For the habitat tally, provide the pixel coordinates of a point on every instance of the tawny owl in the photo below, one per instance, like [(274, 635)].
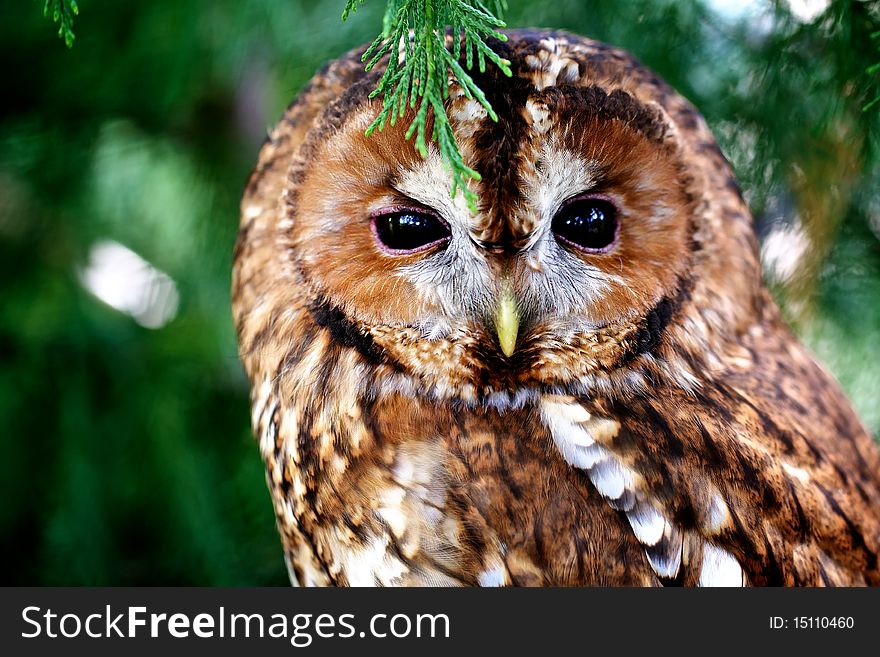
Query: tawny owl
[(584, 382)]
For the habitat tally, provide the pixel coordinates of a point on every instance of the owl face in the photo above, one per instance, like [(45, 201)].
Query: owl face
[(580, 244)]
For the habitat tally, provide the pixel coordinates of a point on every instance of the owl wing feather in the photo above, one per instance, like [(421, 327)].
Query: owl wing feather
[(765, 460)]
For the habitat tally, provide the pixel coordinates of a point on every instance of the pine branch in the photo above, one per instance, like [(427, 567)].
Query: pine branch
[(62, 12), (874, 69), (416, 29)]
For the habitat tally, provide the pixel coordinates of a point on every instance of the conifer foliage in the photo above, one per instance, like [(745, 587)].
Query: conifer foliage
[(429, 38), (62, 12)]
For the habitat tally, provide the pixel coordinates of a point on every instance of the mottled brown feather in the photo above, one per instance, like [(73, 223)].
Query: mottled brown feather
[(403, 448)]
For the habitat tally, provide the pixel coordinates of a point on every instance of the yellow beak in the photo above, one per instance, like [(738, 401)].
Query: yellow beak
[(507, 322)]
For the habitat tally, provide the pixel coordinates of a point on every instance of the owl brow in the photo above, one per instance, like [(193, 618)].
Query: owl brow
[(620, 105)]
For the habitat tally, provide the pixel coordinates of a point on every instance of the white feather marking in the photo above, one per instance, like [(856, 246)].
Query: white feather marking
[(290, 421), (564, 174), (611, 478), (395, 518), (268, 431), (575, 444), (798, 473), (426, 183), (372, 564), (603, 429), (392, 496), (314, 358), (719, 568), (647, 523), (538, 116), (572, 434), (582, 455), (469, 110), (625, 502), (582, 438), (718, 516), (665, 558), (391, 509), (258, 406), (586, 457), (491, 577), (299, 488), (505, 400), (567, 410)]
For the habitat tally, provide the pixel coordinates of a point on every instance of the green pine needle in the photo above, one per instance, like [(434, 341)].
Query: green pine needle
[(417, 28), (874, 69), (62, 12)]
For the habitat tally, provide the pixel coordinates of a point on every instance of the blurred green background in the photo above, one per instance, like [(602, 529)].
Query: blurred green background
[(126, 450)]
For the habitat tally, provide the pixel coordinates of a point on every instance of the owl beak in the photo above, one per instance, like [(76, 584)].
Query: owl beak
[(507, 322)]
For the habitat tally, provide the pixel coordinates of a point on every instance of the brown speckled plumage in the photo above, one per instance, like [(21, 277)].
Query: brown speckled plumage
[(656, 424)]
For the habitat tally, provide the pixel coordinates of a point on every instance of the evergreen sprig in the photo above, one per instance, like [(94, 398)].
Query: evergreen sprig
[(421, 62), (62, 12), (874, 69)]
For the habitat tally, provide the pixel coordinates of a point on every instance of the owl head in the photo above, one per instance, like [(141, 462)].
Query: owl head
[(610, 245)]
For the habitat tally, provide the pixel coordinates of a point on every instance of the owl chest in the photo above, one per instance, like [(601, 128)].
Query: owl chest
[(439, 497)]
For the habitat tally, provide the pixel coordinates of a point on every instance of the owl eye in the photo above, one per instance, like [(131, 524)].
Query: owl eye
[(587, 223), (408, 231)]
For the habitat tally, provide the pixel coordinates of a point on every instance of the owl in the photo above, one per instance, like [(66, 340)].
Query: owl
[(583, 382)]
